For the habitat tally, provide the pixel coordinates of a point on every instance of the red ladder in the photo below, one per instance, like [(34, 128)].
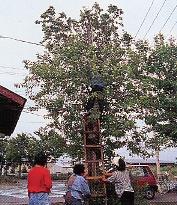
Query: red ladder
[(94, 159)]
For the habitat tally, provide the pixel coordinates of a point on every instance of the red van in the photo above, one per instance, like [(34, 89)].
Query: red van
[(143, 176)]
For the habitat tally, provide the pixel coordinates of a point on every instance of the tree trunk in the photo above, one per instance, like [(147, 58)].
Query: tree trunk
[(20, 170), (157, 163)]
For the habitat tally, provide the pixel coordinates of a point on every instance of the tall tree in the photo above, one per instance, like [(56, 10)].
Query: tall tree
[(20, 149), (159, 83), (52, 143), (76, 51)]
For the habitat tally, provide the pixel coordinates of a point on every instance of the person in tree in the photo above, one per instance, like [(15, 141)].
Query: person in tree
[(77, 186), (97, 89), (39, 181)]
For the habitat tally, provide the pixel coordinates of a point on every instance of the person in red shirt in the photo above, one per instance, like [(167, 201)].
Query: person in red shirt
[(39, 181)]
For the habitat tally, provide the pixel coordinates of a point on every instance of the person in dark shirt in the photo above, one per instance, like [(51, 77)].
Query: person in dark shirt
[(39, 181)]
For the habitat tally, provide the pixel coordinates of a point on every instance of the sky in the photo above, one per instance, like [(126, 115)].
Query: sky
[(17, 20)]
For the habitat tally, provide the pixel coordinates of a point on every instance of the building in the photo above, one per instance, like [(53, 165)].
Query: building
[(149, 161), (11, 106), (63, 165)]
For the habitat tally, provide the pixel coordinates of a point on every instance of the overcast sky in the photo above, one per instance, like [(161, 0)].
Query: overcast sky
[(17, 19)]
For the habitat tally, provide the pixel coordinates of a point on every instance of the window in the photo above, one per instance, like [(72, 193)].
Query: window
[(137, 171)]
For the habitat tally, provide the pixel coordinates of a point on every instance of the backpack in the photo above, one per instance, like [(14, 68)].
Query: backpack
[(68, 195)]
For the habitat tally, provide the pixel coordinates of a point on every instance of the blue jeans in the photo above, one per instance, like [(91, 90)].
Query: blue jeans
[(39, 199)]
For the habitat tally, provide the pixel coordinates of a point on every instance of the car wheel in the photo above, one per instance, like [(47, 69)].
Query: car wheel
[(149, 193)]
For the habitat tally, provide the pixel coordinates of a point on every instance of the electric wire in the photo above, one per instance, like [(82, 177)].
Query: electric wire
[(172, 28), (20, 40), (32, 122), (168, 18), (11, 73), (154, 19), (9, 67), (145, 18), (32, 113)]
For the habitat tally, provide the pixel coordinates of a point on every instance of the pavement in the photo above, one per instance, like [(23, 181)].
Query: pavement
[(165, 199), (9, 200), (160, 199), (11, 195), (16, 194)]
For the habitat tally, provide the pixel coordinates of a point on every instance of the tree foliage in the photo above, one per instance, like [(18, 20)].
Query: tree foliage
[(22, 149), (160, 83), (140, 80)]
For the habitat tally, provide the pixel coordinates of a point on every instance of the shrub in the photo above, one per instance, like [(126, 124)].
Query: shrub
[(61, 176), (8, 179), (139, 192)]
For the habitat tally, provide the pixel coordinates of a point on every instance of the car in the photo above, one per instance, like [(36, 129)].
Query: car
[(141, 176)]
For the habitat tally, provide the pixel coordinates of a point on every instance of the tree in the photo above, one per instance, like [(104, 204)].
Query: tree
[(59, 81), (161, 86), (20, 149), (51, 143)]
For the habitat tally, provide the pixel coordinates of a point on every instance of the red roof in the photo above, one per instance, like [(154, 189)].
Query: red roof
[(11, 106)]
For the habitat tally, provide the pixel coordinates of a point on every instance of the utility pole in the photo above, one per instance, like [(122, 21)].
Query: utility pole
[(157, 154)]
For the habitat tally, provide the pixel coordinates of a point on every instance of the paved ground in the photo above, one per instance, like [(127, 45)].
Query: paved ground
[(17, 195), (6, 200), (165, 199)]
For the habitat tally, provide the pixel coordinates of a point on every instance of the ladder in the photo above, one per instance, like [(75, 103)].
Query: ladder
[(94, 159)]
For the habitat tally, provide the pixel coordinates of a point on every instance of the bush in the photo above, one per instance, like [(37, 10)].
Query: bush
[(101, 201), (24, 175), (140, 195), (61, 176), (8, 179)]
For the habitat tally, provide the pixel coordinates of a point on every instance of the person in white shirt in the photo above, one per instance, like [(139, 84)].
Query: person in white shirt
[(123, 187)]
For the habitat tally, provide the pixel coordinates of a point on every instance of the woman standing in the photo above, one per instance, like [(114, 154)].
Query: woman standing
[(122, 182), (77, 187)]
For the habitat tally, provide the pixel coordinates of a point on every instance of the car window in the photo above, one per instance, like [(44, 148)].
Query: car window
[(137, 171)]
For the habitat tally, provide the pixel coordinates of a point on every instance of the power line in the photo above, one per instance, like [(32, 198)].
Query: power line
[(1, 66), (32, 113), (155, 19), (144, 18), (172, 28), (33, 122), (11, 73), (20, 40), (168, 18)]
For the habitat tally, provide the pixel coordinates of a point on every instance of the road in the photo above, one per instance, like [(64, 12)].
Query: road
[(17, 194), (13, 195), (165, 199)]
